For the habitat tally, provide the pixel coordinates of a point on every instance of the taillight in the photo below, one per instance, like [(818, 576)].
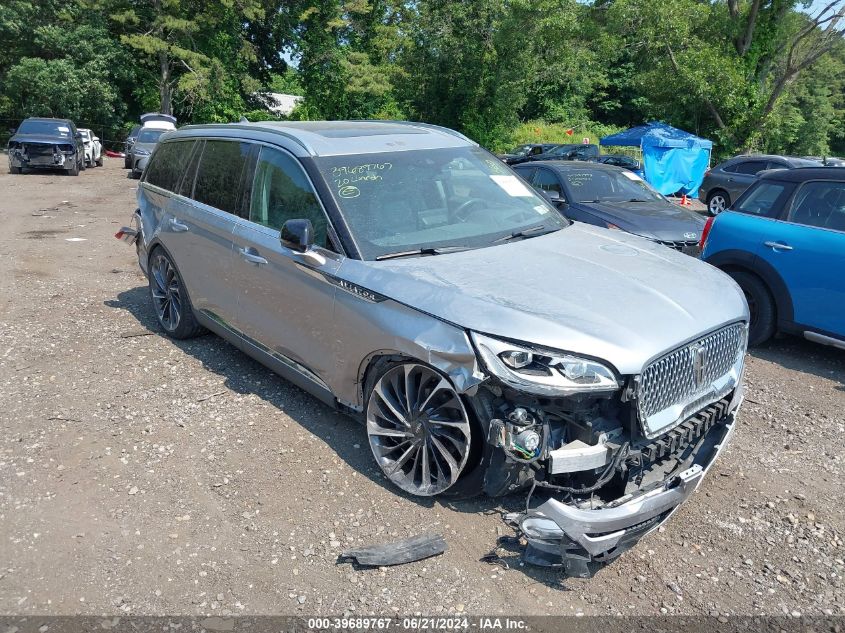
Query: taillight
[(705, 233)]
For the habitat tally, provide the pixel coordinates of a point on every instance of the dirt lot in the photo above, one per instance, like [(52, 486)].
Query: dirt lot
[(141, 475)]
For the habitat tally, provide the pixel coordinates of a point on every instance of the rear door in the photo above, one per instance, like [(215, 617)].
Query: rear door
[(203, 221), (286, 301), (807, 248), (740, 176)]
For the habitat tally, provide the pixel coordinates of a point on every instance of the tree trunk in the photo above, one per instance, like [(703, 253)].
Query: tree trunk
[(164, 85)]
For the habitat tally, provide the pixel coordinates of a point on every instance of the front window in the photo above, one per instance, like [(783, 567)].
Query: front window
[(765, 199), (45, 128), (602, 185), (430, 199), (150, 136), (522, 150)]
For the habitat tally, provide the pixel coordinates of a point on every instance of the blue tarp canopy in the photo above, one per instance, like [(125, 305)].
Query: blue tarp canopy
[(673, 160)]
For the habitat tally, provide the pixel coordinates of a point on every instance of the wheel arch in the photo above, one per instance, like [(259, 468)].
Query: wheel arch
[(741, 261)]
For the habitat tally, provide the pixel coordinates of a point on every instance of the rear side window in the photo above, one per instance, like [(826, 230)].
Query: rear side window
[(281, 192), (546, 180), (820, 204), (168, 164), (766, 199), (750, 167), (219, 175)]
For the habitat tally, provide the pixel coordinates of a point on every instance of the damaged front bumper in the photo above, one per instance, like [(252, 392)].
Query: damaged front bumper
[(582, 540)]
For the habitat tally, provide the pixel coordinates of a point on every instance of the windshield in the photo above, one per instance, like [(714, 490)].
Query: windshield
[(429, 199), (608, 185), (85, 134), (46, 128), (150, 136)]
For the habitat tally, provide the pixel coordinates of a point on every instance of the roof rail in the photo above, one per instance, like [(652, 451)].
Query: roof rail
[(253, 126)]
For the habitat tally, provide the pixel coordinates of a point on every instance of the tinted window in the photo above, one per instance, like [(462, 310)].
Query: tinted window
[(546, 180), (820, 204), (186, 187), (168, 164), (219, 176), (750, 167), (281, 192), (766, 199)]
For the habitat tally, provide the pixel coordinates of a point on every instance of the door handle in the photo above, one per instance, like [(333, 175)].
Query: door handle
[(177, 226), (252, 256), (778, 246)]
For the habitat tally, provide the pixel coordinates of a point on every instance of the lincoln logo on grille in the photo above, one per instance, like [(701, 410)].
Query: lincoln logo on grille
[(699, 363)]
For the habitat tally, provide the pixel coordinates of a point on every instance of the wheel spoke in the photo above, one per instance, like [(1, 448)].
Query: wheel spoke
[(392, 407)]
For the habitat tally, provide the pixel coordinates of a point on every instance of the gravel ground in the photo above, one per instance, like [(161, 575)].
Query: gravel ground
[(140, 475)]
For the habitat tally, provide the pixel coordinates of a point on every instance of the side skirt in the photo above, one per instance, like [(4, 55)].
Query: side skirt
[(288, 369)]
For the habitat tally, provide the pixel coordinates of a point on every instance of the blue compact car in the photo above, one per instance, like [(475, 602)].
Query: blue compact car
[(783, 242)]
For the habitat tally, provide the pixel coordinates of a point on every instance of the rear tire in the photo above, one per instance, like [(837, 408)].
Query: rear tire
[(760, 304), (717, 201), (99, 161), (170, 299)]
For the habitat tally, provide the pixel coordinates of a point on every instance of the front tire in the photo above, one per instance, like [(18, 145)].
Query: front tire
[(14, 170), (761, 306), (717, 201), (73, 171), (173, 308), (418, 427)]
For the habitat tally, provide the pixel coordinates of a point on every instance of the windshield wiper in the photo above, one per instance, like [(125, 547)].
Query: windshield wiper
[(532, 231), (638, 200), (428, 250)]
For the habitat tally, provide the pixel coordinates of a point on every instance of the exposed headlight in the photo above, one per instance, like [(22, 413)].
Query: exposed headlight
[(543, 372), (141, 152)]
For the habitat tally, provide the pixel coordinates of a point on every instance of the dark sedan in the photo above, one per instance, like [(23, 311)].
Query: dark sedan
[(571, 151), (523, 153), (614, 198)]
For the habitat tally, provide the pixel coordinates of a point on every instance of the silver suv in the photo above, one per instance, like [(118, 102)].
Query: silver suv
[(402, 274)]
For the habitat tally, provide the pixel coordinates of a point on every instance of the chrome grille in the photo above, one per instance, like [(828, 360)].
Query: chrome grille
[(686, 375), (682, 246)]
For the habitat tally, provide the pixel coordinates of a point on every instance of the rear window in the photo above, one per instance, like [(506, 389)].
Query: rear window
[(168, 164), (219, 176)]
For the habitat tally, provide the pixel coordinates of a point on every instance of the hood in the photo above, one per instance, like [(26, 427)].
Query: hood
[(583, 289), (147, 146), (655, 220), (41, 138)]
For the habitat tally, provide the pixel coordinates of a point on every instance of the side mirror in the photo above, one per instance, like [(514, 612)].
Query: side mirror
[(12, 131), (553, 196), (297, 235), (78, 135)]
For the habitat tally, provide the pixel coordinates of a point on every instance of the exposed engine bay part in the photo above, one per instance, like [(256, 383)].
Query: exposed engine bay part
[(582, 534), (399, 552)]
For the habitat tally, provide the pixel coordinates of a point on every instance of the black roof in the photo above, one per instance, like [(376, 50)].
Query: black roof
[(801, 174)]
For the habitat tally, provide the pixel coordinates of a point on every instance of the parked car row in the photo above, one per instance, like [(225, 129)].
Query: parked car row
[(550, 151), (403, 275), (45, 143), (143, 138)]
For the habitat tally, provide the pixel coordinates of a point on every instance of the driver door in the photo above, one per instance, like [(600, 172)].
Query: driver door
[(286, 301)]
